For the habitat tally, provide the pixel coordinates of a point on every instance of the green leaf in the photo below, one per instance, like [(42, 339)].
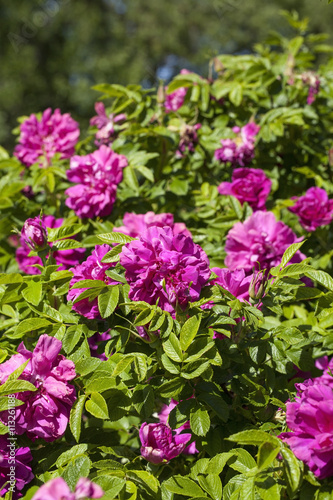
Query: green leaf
[(29, 325), (122, 365), (194, 369), (144, 478), (140, 366), (266, 455), (321, 277), (100, 385), (79, 467), (183, 486), (110, 485), (113, 255), (217, 404), (68, 455), (144, 317), (63, 232), (108, 300), (75, 418), (291, 469), (89, 284), (7, 279), (236, 94), (212, 485), (115, 237), (66, 245), (255, 437), (200, 422), (172, 348), (189, 331), (146, 172), (97, 406), (72, 337), (11, 387), (171, 388), (290, 252)]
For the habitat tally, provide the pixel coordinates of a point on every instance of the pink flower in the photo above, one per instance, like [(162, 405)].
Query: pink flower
[(236, 282), (248, 185), (159, 444), (260, 241), (53, 133), (94, 342), (310, 418), (239, 151), (175, 100), (23, 473), (313, 81), (165, 266), (163, 417), (97, 176), (90, 269), (105, 124), (135, 224), (34, 234), (188, 140), (314, 209), (45, 412), (64, 258), (57, 489)]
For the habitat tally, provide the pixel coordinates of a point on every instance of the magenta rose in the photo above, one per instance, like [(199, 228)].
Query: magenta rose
[(135, 224), (96, 177), (159, 444), (45, 412), (57, 489), (163, 417), (248, 185), (314, 209), (165, 266), (23, 472), (53, 133), (34, 234), (259, 242), (240, 150), (106, 124)]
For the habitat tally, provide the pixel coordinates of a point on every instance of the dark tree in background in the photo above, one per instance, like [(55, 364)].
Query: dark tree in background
[(54, 51)]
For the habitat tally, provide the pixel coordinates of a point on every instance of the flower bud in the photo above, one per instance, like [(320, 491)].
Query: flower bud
[(34, 234), (257, 285)]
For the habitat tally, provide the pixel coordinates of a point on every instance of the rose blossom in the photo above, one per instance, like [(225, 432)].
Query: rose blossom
[(45, 412), (314, 209), (163, 417), (248, 185), (135, 224), (105, 124), (260, 241), (175, 100), (235, 282), (97, 176), (64, 258), (159, 444), (310, 419), (91, 269), (239, 151), (53, 133), (34, 234), (57, 489), (165, 266), (23, 473)]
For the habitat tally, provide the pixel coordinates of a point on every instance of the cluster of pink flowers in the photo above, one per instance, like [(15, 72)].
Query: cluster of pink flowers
[(160, 444), (106, 124), (165, 267), (249, 185), (188, 140), (314, 209), (45, 412), (91, 269), (20, 457), (57, 489), (53, 133), (310, 419), (135, 224), (259, 243), (96, 177), (239, 151), (34, 236)]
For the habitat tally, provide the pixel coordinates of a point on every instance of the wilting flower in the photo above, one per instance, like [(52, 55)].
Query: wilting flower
[(259, 242), (239, 151), (314, 209), (19, 458), (163, 417), (45, 412), (105, 124), (57, 489), (64, 258), (310, 419), (165, 266), (53, 133), (160, 444), (34, 234), (135, 224), (91, 269), (249, 185), (188, 140), (97, 176)]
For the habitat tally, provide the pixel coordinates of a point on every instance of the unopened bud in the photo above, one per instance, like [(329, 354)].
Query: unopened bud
[(34, 234), (161, 94), (257, 285)]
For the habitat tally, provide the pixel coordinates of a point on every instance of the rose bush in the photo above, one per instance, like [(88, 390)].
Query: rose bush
[(166, 319)]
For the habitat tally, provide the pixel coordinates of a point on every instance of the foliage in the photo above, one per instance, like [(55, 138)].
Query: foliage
[(232, 389)]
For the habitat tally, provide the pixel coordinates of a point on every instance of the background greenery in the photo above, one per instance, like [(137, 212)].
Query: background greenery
[(54, 51)]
